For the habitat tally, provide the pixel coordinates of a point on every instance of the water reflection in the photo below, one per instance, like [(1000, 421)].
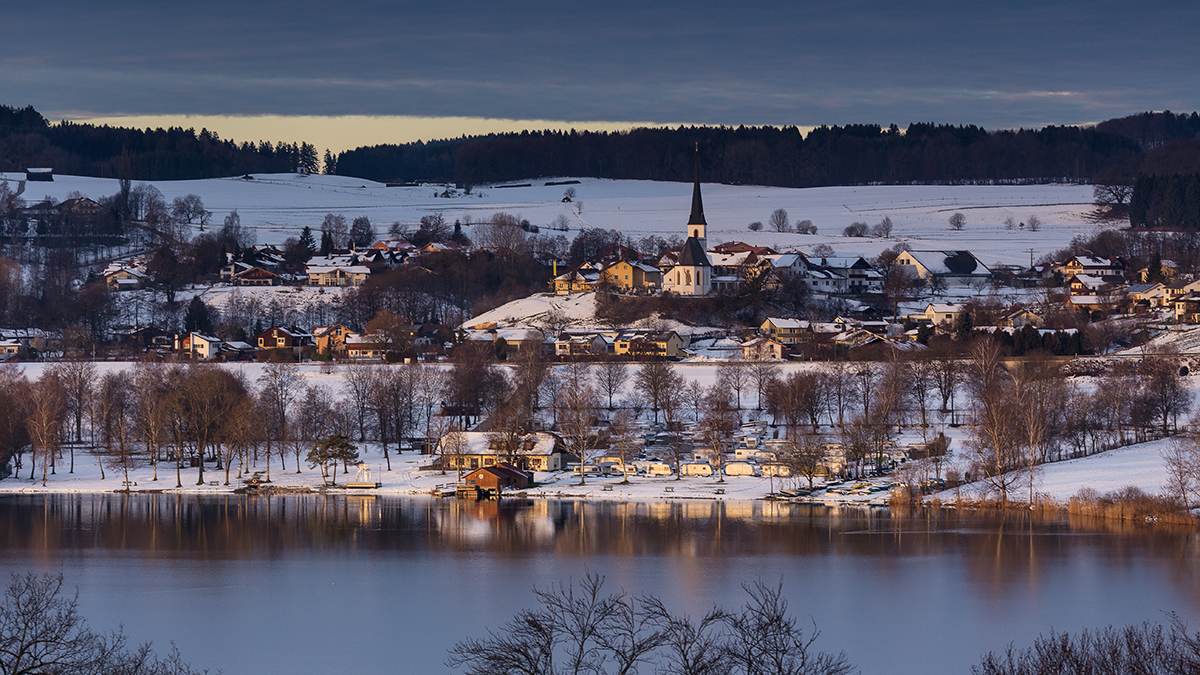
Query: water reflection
[(999, 546), (892, 588)]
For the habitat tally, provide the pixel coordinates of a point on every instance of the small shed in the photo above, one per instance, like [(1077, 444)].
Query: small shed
[(493, 479)]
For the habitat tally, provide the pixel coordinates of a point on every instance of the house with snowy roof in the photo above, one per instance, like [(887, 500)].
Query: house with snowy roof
[(285, 337), (321, 274), (125, 279), (942, 314), (762, 348), (631, 275), (843, 274), (576, 281), (1086, 284), (786, 331), (199, 345), (953, 268), (1090, 264), (540, 451)]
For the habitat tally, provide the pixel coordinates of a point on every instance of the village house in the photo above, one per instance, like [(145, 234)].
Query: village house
[(1187, 308), (627, 275), (125, 279), (640, 344), (575, 281), (1087, 264), (942, 314), (586, 344), (762, 348), (1147, 295), (369, 347), (198, 345), (285, 337), (1168, 270), (9, 349), (952, 268), (540, 451), (1087, 284), (335, 275), (331, 340), (242, 274), (786, 331), (1019, 317)]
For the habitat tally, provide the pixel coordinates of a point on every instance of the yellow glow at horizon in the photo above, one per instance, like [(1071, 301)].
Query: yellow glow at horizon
[(351, 131)]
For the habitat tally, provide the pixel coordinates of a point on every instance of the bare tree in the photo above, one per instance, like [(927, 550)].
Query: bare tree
[(577, 629), (623, 439), (611, 375), (279, 386), (717, 425), (653, 379), (41, 631), (78, 378), (995, 434), (762, 373), (779, 221), (958, 221), (804, 454), (576, 412), (48, 404), (360, 383), (883, 229), (735, 375), (1034, 223)]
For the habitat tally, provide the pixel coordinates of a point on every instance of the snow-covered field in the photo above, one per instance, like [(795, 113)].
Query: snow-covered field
[(276, 206)]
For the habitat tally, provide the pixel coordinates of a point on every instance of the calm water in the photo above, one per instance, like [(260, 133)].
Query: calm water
[(316, 585)]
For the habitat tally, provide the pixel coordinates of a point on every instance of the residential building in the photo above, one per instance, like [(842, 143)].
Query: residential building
[(541, 451), (336, 275), (943, 314), (762, 348), (641, 344), (786, 331), (629, 275), (285, 337), (952, 268)]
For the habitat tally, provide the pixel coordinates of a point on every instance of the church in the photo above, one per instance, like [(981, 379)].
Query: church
[(692, 275)]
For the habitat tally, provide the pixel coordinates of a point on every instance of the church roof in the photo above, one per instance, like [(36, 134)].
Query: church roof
[(693, 254)]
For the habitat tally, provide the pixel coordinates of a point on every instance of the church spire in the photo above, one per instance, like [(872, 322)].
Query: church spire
[(697, 217)]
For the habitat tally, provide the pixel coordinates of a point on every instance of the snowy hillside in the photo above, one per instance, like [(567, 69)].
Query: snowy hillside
[(276, 206)]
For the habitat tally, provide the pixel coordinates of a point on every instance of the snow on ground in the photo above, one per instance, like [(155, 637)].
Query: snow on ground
[(276, 206), (578, 309)]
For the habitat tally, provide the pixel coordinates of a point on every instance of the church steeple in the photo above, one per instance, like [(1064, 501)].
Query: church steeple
[(696, 224)]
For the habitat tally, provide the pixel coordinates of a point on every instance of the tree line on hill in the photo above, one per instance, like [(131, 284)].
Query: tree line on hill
[(781, 156), (27, 139)]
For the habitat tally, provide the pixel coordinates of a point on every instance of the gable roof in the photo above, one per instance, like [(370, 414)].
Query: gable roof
[(950, 263), (693, 254)]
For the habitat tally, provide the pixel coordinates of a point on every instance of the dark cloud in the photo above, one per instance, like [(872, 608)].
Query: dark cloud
[(996, 64)]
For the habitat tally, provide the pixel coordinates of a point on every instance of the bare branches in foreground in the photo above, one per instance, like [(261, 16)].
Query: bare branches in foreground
[(576, 628)]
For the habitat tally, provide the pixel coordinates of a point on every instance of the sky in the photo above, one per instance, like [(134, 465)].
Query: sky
[(403, 68)]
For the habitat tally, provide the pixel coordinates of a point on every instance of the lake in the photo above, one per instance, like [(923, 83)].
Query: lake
[(314, 584)]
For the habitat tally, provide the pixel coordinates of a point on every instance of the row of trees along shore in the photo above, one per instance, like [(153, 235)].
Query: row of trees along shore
[(1021, 414)]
